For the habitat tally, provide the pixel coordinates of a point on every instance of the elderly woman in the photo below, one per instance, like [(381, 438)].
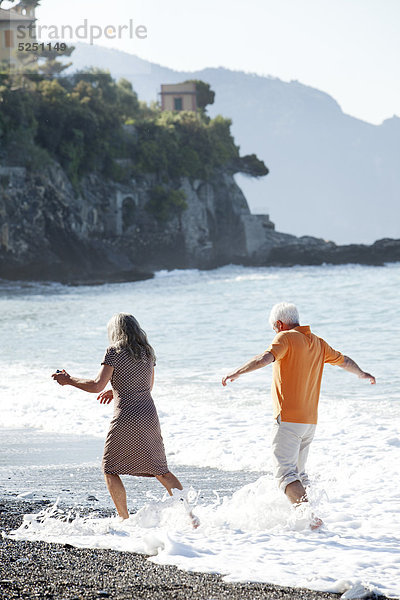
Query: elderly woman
[(134, 445)]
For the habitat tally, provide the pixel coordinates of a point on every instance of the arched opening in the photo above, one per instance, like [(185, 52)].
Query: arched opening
[(92, 217), (128, 213)]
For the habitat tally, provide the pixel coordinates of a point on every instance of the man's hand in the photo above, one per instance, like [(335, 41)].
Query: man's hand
[(352, 367), (230, 377), (61, 377), (106, 397), (365, 375)]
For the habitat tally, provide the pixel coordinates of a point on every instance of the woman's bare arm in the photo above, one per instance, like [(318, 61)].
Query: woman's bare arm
[(93, 386)]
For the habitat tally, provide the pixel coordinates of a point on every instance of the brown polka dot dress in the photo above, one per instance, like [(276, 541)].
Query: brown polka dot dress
[(134, 445)]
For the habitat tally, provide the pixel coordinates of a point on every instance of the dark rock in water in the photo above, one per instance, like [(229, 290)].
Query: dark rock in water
[(112, 277), (306, 251)]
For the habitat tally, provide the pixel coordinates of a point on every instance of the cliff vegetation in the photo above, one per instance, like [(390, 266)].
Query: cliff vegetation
[(90, 123)]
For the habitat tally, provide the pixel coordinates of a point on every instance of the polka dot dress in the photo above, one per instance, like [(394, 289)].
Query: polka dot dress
[(134, 445)]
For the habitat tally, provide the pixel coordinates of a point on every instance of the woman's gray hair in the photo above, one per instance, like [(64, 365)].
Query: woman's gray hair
[(124, 332), (285, 312)]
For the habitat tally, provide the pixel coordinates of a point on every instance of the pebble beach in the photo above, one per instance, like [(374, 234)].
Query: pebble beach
[(60, 571)]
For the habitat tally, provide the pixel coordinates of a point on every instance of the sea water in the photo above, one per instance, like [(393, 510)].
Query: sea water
[(202, 325)]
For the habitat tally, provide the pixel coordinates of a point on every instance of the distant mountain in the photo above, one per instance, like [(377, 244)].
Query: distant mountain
[(331, 175)]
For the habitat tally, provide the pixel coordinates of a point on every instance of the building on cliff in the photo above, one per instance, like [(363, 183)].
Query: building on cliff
[(178, 96), (16, 27)]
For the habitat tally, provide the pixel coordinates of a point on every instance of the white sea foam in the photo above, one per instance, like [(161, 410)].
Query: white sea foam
[(202, 324), (253, 535)]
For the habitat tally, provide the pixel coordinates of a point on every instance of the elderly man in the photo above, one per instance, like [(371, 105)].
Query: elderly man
[(298, 358)]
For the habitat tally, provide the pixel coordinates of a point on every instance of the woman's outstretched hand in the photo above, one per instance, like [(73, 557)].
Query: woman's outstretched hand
[(61, 377), (105, 397)]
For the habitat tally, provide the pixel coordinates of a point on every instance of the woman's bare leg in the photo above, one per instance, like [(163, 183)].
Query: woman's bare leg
[(170, 482), (117, 493)]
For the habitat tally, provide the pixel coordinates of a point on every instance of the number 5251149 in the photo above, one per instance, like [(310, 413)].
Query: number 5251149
[(35, 46)]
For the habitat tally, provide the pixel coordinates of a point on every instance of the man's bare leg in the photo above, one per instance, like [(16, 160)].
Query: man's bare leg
[(170, 482), (117, 493), (297, 494)]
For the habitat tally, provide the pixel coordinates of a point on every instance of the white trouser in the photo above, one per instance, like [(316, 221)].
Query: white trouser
[(290, 447)]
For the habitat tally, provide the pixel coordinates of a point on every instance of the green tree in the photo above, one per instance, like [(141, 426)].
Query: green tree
[(72, 153), (99, 80), (204, 94), (127, 101), (17, 112), (164, 203), (49, 64), (78, 121), (251, 165)]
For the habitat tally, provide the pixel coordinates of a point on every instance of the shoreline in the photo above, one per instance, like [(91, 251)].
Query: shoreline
[(287, 260), (61, 572)]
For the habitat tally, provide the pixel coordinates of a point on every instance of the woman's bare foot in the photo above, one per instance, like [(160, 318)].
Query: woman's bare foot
[(122, 519), (195, 520), (181, 497), (316, 523)]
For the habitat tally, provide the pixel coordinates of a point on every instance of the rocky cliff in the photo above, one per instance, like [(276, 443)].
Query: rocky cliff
[(105, 231)]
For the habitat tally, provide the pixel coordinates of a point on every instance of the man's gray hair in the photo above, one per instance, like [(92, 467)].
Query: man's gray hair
[(285, 312)]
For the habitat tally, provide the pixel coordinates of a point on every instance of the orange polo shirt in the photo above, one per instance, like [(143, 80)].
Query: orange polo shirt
[(297, 372)]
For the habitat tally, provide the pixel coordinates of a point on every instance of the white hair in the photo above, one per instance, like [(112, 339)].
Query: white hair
[(285, 312)]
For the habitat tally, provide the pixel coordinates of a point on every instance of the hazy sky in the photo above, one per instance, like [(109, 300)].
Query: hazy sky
[(348, 48)]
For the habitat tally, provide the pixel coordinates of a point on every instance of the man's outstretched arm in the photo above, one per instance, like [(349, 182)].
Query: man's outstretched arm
[(259, 361), (352, 367)]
